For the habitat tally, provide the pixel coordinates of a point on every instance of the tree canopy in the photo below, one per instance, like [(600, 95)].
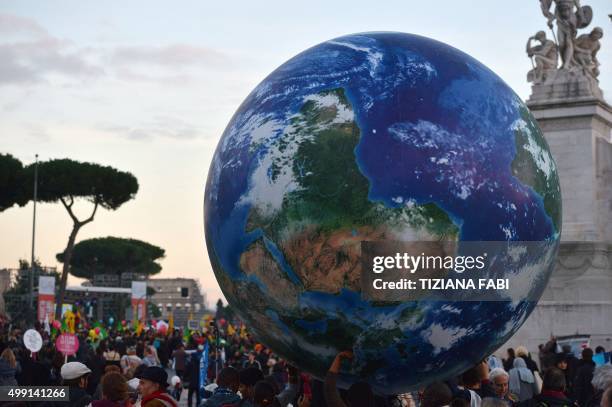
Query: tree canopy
[(65, 180), (113, 255), (12, 185)]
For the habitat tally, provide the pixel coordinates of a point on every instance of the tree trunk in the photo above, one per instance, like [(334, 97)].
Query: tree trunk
[(66, 268), (76, 226)]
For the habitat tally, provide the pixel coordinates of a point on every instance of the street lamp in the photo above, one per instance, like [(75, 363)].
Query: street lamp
[(31, 296)]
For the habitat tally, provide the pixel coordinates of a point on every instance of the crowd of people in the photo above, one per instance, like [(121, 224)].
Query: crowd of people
[(149, 368)]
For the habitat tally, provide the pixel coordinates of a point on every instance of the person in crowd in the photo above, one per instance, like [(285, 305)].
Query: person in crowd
[(472, 385), (493, 362), (33, 372), (522, 352), (263, 395), (115, 392), (140, 349), (437, 394), (75, 375), (152, 388), (561, 364), (228, 382), (193, 373), (252, 361), (547, 353), (108, 369), (553, 391), (57, 360), (270, 365), (261, 355), (8, 368), (180, 356), (583, 390), (509, 362), (111, 356), (485, 388), (522, 381), (572, 364), (176, 386), (602, 380), (120, 345), (150, 357), (163, 351), (500, 381), (248, 378), (288, 389), (129, 362), (96, 363), (359, 394)]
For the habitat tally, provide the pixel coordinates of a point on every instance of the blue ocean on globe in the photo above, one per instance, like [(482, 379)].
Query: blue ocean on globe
[(377, 136)]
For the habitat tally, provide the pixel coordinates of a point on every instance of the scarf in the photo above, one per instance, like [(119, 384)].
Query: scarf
[(161, 396), (554, 394)]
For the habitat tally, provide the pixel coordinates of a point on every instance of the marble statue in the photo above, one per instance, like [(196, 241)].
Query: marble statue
[(566, 66), (570, 16), (544, 57), (586, 48)]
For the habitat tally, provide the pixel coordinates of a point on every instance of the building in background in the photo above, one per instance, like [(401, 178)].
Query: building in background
[(5, 284), (577, 123), (180, 296)]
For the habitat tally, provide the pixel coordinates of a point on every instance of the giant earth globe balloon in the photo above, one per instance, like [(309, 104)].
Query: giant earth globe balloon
[(373, 137)]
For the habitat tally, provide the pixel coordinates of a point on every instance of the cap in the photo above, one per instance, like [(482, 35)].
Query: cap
[(74, 370), (155, 374)]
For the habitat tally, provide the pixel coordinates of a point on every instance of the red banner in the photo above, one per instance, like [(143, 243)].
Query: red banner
[(46, 298), (68, 344)]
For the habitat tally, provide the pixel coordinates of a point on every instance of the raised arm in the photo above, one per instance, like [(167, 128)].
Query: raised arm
[(330, 389)]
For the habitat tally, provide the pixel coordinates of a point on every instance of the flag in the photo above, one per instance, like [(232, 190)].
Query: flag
[(203, 368), (69, 319), (139, 328), (171, 323)]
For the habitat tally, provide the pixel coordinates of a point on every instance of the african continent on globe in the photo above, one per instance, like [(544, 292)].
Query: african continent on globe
[(376, 137)]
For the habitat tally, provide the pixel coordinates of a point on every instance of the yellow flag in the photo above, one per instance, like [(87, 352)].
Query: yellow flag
[(231, 330), (140, 328), (69, 315), (170, 324)]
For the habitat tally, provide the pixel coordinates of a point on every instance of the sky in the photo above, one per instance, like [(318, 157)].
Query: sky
[(149, 86)]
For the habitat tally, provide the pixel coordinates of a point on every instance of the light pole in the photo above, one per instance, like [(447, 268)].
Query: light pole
[(31, 296)]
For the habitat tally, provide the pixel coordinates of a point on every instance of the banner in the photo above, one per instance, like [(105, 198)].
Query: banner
[(46, 298), (68, 344), (576, 342), (32, 340), (139, 300), (203, 368)]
